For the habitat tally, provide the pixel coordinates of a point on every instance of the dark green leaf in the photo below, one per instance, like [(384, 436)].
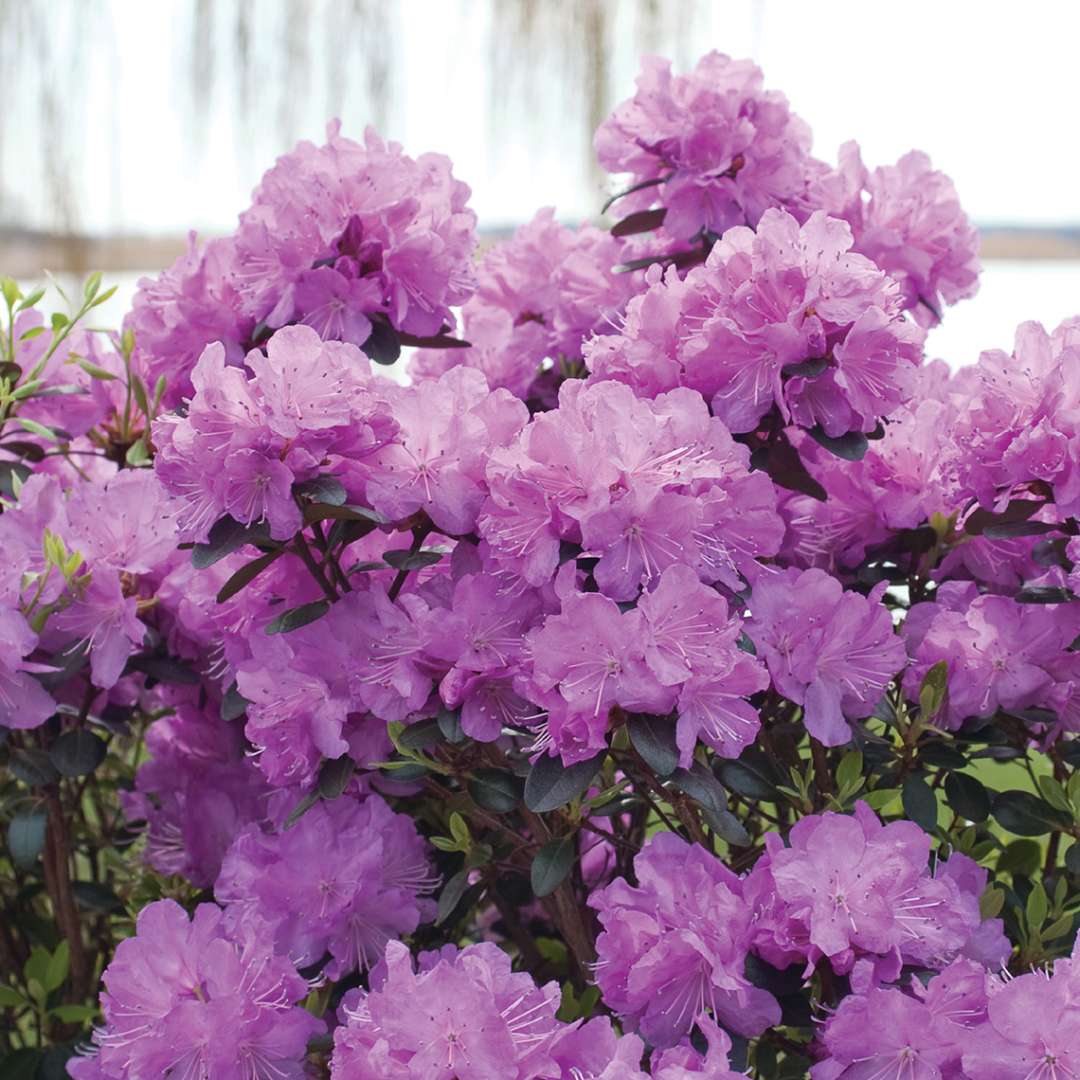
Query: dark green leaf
[(806, 369), (967, 796), (451, 895), (940, 755), (383, 344), (850, 447), (1027, 815), (165, 669), (403, 559), (247, 573), (33, 767), (449, 721), (417, 736), (749, 777), (1017, 510), (77, 753), (551, 865), (699, 783), (21, 1065), (296, 617), (11, 472), (920, 803), (334, 776), (495, 790), (784, 467), (654, 182), (226, 537), (233, 704), (26, 838), (1021, 858), (1044, 594), (642, 221), (91, 896), (727, 826), (323, 489), (301, 808), (654, 739), (433, 341), (1009, 529), (551, 784), (1072, 859)]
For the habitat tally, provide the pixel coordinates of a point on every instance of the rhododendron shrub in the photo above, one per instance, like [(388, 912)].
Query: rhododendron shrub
[(672, 673)]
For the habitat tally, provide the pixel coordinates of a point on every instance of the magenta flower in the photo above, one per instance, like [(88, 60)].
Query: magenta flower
[(458, 1015), (674, 947), (195, 998), (347, 878), (725, 148), (830, 650)]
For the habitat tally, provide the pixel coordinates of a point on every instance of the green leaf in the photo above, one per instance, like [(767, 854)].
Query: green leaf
[(77, 753), (383, 344), (10, 289), (225, 537), (36, 429), (57, 970), (296, 617), (94, 371), (1058, 928), (142, 399), (784, 466), (751, 775), (849, 771), (33, 767), (233, 704), (1037, 907), (1054, 794), (1017, 510), (654, 739), (1027, 815), (727, 826), (699, 783), (850, 447), (1021, 858), (301, 808), (639, 222), (323, 489), (21, 1065), (31, 300), (551, 865), (137, 454), (247, 574), (551, 784), (403, 559), (920, 803), (26, 838), (1072, 859), (991, 902), (11, 999), (73, 1014), (495, 790), (451, 895), (92, 286), (334, 776), (460, 831), (967, 796), (449, 721), (91, 896), (932, 690), (879, 798), (1044, 594), (165, 669)]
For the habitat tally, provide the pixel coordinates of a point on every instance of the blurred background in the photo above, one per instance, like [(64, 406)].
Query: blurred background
[(127, 122)]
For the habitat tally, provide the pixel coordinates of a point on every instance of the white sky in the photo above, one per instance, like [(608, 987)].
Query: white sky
[(990, 90)]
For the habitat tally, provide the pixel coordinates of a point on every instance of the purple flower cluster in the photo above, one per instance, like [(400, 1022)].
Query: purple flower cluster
[(783, 317), (861, 895), (714, 146), (539, 296), (675, 945), (199, 997), (962, 1024), (338, 237), (344, 880)]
